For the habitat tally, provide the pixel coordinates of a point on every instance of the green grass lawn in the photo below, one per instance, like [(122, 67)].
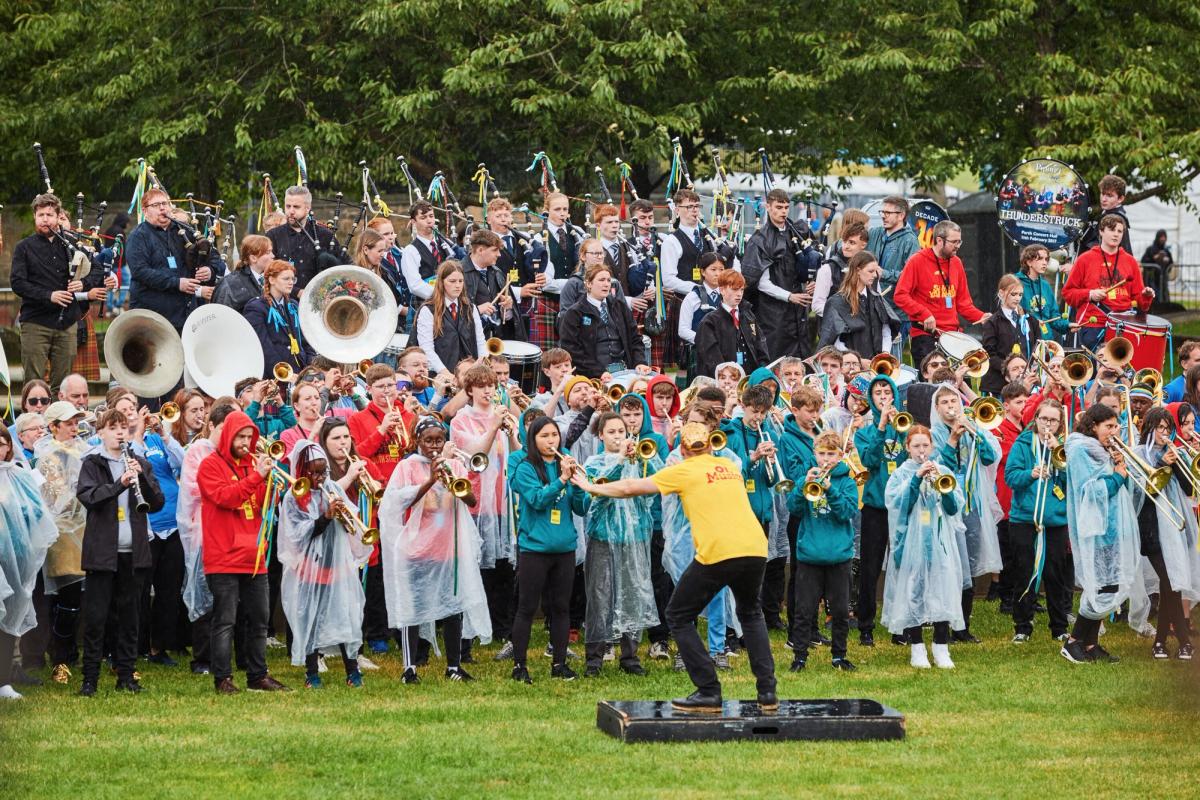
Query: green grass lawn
[(1010, 721)]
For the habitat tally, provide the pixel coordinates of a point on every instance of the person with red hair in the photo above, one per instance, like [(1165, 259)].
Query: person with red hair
[(730, 332)]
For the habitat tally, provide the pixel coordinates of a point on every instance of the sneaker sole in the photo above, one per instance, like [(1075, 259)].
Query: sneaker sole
[(1063, 652)]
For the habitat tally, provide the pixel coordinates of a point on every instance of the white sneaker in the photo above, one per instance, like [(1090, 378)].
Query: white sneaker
[(321, 664), (609, 655), (941, 656), (7, 692), (659, 650), (919, 657), (365, 664), (1103, 630), (274, 643)]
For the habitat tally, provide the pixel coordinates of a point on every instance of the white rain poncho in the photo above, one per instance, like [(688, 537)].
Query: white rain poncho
[(1103, 528), (467, 430), (620, 596), (27, 530), (59, 463), (1179, 552), (679, 549), (320, 591), (976, 479), (924, 577), (430, 554), (196, 596)]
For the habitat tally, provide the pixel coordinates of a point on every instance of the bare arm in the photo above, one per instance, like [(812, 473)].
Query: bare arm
[(630, 487)]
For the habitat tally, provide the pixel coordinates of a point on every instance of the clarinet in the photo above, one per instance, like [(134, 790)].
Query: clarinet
[(140, 500)]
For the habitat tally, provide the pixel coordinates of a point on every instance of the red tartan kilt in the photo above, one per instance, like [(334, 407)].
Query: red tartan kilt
[(543, 323), (660, 346), (87, 356)]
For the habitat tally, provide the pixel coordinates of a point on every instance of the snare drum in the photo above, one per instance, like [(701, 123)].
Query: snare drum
[(524, 364), (956, 346), (1148, 334), (391, 353)]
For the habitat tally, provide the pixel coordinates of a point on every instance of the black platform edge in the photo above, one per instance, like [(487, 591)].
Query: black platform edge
[(856, 719)]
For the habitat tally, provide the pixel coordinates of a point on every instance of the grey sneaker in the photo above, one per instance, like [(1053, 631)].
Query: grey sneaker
[(659, 650), (571, 654), (505, 654), (609, 655), (721, 660), (1020, 638), (679, 666)]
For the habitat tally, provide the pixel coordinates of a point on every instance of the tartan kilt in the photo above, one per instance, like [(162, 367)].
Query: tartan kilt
[(543, 322), (673, 353), (660, 345), (87, 355)]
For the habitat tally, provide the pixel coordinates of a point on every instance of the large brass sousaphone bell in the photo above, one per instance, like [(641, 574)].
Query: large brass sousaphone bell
[(144, 353), (347, 314)]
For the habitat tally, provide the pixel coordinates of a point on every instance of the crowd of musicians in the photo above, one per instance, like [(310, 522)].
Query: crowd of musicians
[(790, 465)]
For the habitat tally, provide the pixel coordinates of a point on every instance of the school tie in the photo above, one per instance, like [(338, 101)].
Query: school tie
[(696, 240), (508, 242), (454, 311), (564, 244), (736, 322), (604, 311), (714, 298), (437, 251)]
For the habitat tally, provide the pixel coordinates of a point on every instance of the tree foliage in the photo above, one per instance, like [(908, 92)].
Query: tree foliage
[(215, 94)]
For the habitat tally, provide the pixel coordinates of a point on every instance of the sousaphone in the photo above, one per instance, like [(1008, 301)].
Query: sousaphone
[(144, 353), (220, 348), (347, 314)]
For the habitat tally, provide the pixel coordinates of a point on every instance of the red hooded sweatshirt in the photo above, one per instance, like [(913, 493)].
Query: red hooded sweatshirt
[(926, 284), (232, 495), (661, 425), (1007, 433), (1096, 269)]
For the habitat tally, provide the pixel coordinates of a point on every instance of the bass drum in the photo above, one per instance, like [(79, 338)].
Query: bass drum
[(922, 216), (1147, 332), (524, 364)]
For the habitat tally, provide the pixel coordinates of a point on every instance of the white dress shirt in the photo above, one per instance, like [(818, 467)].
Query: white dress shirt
[(410, 265), (425, 334)]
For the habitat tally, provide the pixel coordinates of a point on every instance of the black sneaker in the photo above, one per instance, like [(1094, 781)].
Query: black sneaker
[(88, 689), (563, 672), (23, 678), (1159, 651), (798, 664), (1185, 652), (162, 659), (634, 669), (768, 701), (1100, 654), (993, 591), (459, 674), (899, 639), (410, 675), (698, 703), (964, 637), (1075, 653), (843, 664), (820, 640), (199, 668), (129, 685), (866, 639), (591, 671), (521, 675)]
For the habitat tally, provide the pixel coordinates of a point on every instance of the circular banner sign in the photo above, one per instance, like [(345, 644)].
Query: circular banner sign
[(1043, 201), (922, 216)]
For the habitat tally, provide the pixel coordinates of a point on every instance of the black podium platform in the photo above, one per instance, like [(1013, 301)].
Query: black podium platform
[(795, 720)]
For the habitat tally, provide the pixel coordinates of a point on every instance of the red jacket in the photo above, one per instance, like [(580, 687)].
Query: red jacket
[(1031, 406), (925, 283), (1007, 433), (1090, 272), (231, 495), (375, 472), (383, 451)]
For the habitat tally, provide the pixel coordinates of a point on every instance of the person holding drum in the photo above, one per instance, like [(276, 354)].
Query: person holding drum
[(1104, 280), (598, 331), (933, 290)]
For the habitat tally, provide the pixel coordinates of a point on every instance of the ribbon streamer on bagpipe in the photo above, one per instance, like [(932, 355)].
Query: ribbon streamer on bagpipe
[(673, 175), (483, 178), (301, 167), (626, 180), (268, 203), (549, 182), (370, 193), (139, 188)]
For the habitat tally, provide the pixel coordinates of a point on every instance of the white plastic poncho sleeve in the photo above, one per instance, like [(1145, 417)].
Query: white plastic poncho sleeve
[(1103, 528), (1179, 551), (430, 554), (320, 591), (59, 463), (196, 596), (27, 530), (926, 584), (468, 430)]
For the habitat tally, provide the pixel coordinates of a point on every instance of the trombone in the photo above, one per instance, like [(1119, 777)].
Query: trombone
[(1077, 369), (986, 412), (885, 364), (1047, 458), (1152, 481), (495, 346), (350, 520)]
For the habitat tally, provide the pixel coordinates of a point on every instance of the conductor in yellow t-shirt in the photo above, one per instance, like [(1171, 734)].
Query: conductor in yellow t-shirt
[(730, 551)]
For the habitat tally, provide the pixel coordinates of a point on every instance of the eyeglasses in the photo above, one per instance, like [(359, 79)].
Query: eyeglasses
[(689, 206), (159, 204), (37, 401), (952, 241), (886, 213)]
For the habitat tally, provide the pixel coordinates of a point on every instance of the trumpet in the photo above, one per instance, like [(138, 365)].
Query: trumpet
[(814, 490), (783, 484), (272, 447), (977, 362), (169, 413), (459, 487), (350, 520), (299, 486), (902, 421), (282, 372), (476, 462), (646, 449), (943, 483), (717, 440), (1151, 377), (616, 392), (367, 483)]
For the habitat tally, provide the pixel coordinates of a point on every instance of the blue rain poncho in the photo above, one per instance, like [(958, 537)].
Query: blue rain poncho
[(1103, 528), (924, 577), (431, 554), (973, 464), (620, 595), (320, 591), (27, 530)]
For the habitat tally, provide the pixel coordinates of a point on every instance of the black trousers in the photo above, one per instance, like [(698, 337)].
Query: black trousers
[(64, 621), (578, 606), (349, 662), (831, 581), (1171, 618), (872, 548), (253, 593), (698, 585), (160, 615), (1005, 583), (121, 590), (553, 573), (920, 346), (594, 652), (968, 605), (660, 579), (275, 578), (202, 641), (793, 532), (498, 588), (415, 650), (941, 634), (375, 623), (1058, 576), (35, 642), (8, 645)]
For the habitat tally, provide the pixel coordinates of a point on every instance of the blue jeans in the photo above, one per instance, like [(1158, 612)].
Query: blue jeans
[(1090, 338)]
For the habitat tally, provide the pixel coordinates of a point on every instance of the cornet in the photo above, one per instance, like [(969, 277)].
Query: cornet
[(350, 520), (367, 483), (282, 372), (459, 487)]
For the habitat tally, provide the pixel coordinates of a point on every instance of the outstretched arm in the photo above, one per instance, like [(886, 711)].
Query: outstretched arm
[(630, 487)]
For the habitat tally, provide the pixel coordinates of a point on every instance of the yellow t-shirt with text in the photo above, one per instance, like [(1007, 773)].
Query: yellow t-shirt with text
[(714, 499)]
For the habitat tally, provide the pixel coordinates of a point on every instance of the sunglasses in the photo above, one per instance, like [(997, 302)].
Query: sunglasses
[(38, 401), (403, 386)]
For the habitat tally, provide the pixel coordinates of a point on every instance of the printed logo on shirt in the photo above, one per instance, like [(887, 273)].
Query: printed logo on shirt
[(723, 473), (940, 290)]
